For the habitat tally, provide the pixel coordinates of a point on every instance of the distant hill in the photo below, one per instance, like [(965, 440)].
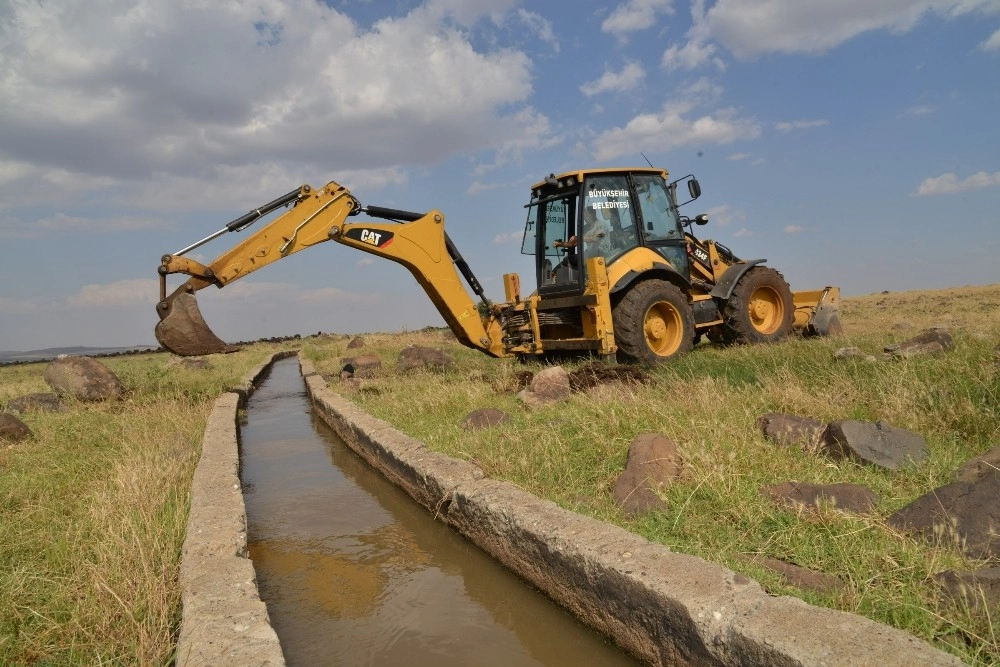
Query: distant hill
[(53, 352)]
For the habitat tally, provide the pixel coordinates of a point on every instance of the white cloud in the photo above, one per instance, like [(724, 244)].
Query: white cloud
[(635, 15), (748, 28), (628, 78), (541, 26), (365, 261), (949, 184), (117, 294), (95, 95), (742, 233), (800, 125), (736, 157), (671, 128), (793, 229), (691, 55), (992, 43), (724, 215), (508, 237), (918, 110)]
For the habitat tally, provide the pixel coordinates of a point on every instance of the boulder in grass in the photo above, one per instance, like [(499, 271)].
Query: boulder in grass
[(653, 463), (83, 378), (13, 429)]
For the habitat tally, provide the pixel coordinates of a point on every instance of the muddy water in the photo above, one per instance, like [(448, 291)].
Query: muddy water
[(354, 573)]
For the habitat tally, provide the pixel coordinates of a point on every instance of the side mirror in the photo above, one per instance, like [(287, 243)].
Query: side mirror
[(701, 218), (694, 189)]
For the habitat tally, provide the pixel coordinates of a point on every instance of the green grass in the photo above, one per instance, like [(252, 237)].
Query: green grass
[(708, 403), (93, 510), (93, 507)]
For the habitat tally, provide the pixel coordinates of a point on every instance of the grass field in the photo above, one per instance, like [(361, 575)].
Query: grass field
[(92, 509)]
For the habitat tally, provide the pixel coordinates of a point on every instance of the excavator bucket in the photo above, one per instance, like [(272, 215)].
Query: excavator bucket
[(183, 330), (817, 312)]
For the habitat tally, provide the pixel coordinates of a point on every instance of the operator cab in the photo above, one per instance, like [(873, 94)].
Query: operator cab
[(608, 213)]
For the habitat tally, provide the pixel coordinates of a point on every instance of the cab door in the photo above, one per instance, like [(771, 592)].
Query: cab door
[(661, 226)]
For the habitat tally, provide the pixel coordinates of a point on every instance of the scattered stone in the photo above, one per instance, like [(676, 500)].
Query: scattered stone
[(902, 325), (13, 429), (41, 402), (364, 366), (975, 468), (877, 444), (653, 463), (82, 378), (929, 341), (847, 497), (802, 577), (355, 343), (598, 373), (417, 356), (484, 418), (548, 386), (980, 590), (792, 430), (845, 353), (964, 512)]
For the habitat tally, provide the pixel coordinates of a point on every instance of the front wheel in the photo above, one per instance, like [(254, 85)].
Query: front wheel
[(653, 323), (760, 309)]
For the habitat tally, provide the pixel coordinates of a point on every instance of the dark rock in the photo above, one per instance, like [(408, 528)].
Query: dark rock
[(848, 497), (13, 429), (927, 342), (792, 430), (417, 356), (975, 468), (550, 385), (980, 590), (597, 373), (42, 402), (484, 418), (364, 366), (82, 378), (523, 379), (355, 343), (802, 577), (653, 463), (877, 444), (964, 512)]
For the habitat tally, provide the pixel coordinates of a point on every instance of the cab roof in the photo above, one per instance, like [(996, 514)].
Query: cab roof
[(581, 174)]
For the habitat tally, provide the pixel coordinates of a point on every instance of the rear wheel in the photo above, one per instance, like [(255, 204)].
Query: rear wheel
[(653, 323), (760, 309)]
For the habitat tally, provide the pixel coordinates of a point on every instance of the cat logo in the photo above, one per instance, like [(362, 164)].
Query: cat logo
[(379, 239)]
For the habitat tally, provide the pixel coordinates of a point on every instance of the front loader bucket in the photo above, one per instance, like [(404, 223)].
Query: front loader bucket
[(183, 330), (817, 312)]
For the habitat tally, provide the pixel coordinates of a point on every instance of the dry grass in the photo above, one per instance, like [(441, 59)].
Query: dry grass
[(93, 508), (708, 403)]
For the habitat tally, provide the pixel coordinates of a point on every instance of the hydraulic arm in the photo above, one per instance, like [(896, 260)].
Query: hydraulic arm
[(418, 241)]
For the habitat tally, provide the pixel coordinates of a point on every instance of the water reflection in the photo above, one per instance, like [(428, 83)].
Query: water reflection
[(353, 572)]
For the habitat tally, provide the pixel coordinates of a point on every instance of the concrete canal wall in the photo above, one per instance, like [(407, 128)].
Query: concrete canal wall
[(663, 607)]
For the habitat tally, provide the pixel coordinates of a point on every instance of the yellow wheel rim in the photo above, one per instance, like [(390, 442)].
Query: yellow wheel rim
[(767, 310), (663, 328)]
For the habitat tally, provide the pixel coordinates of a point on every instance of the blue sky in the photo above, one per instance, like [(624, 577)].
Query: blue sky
[(851, 143)]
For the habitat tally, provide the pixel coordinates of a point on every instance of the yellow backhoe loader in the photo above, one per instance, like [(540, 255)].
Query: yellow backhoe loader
[(619, 272)]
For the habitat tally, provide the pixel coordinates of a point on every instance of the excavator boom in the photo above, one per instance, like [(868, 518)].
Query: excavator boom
[(415, 240)]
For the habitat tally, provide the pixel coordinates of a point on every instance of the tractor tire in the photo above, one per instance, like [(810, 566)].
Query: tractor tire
[(653, 323), (760, 309)]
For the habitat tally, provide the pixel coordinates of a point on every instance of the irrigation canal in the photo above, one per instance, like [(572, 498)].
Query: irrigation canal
[(355, 573)]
